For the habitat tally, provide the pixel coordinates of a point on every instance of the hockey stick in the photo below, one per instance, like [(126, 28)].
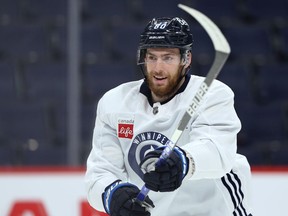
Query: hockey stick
[(222, 51)]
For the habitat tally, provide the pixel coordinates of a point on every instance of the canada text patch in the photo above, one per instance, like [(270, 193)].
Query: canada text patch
[(125, 128)]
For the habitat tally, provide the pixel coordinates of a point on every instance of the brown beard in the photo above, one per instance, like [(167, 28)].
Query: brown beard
[(165, 91)]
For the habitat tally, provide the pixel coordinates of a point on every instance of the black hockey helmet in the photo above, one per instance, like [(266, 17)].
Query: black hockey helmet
[(165, 32)]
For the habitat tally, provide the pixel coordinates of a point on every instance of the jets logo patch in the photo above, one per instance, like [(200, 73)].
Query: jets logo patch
[(141, 144)]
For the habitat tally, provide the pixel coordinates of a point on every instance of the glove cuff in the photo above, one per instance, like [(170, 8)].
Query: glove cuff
[(109, 190), (185, 165), (191, 165)]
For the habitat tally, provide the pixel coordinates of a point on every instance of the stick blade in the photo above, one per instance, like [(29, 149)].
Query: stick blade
[(219, 41)]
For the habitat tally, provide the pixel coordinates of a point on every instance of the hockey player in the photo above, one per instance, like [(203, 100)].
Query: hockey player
[(203, 175)]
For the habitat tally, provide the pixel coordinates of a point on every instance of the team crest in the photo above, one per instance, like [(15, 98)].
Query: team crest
[(141, 145)]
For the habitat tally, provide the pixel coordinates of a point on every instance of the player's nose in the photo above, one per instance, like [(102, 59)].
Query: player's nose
[(158, 65)]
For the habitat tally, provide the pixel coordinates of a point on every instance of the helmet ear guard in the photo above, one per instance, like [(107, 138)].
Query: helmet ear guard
[(185, 56)]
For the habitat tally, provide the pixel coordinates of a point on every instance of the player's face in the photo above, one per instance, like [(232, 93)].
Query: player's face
[(163, 69)]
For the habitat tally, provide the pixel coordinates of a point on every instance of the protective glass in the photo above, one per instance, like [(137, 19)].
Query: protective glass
[(167, 59)]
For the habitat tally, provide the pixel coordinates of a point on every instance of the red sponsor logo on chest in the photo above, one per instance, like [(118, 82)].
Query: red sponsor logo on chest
[(125, 131)]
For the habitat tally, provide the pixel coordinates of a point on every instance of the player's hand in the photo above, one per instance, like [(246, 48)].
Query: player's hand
[(119, 200), (168, 175)]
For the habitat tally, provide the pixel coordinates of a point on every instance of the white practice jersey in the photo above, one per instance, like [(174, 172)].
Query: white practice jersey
[(128, 126)]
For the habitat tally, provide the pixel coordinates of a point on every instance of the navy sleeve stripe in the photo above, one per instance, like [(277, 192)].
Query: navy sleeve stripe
[(233, 184)]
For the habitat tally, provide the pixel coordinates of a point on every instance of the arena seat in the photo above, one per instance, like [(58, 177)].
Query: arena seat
[(249, 42), (93, 42), (236, 76), (97, 79), (272, 82), (229, 10), (44, 155), (264, 123), (24, 41), (46, 81), (5, 155), (125, 42), (7, 82), (23, 121), (103, 12), (284, 33), (267, 10)]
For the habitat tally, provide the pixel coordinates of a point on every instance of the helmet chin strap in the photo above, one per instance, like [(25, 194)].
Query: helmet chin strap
[(183, 73), (143, 72)]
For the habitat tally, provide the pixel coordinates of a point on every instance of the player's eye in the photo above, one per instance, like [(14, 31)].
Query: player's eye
[(151, 59), (168, 59), (171, 59)]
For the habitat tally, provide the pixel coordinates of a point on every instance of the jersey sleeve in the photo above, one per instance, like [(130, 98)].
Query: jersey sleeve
[(213, 134), (105, 162)]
